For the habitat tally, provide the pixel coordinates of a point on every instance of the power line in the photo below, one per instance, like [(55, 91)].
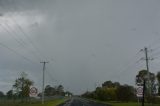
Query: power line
[(23, 43), (25, 34), (10, 34), (20, 42), (5, 46), (51, 76), (128, 66)]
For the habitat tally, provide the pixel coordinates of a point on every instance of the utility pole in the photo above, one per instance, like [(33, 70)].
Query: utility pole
[(146, 54), (146, 79), (144, 83), (148, 83), (44, 66), (147, 66)]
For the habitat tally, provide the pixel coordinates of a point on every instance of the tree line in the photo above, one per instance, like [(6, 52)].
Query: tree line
[(114, 91), (111, 91), (21, 89)]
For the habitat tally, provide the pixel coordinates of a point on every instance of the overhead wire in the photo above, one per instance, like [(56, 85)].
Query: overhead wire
[(38, 58), (5, 46), (10, 34), (128, 66), (25, 34), (8, 29), (21, 40), (48, 71), (27, 37)]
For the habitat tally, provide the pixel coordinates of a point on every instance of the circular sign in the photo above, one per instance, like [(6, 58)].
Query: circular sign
[(140, 90), (33, 91)]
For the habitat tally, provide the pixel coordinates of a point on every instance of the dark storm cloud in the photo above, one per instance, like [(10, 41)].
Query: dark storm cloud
[(86, 41)]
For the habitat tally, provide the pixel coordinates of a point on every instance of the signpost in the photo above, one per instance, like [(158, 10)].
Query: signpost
[(140, 91)]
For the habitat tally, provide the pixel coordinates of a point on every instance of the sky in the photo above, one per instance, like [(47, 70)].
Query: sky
[(86, 42)]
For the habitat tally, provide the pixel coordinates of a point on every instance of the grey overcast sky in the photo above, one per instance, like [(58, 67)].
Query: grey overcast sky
[(86, 42)]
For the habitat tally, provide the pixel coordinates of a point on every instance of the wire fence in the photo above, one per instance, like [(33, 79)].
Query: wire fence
[(5, 101)]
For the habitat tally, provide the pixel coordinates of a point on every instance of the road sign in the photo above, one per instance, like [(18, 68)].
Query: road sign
[(33, 92), (155, 89), (139, 91)]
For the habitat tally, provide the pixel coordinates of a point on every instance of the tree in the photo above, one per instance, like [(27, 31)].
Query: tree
[(22, 85), (101, 94), (60, 90), (125, 93), (49, 91), (68, 93), (142, 75), (158, 78), (116, 84), (110, 84), (1, 94), (9, 94), (112, 91), (107, 84)]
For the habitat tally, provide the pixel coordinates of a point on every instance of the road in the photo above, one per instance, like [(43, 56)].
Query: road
[(76, 101)]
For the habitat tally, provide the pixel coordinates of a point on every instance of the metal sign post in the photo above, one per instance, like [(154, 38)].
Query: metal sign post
[(144, 84)]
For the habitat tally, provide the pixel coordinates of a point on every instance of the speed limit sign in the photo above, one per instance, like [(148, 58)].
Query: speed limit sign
[(33, 91), (139, 90)]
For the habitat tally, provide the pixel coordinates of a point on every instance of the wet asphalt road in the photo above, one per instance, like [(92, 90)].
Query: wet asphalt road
[(75, 101)]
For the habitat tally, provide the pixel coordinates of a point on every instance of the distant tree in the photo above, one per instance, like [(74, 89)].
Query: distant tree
[(68, 93), (9, 94), (158, 78), (101, 94), (116, 84), (107, 84), (39, 94), (125, 93), (143, 74), (60, 90), (89, 95), (1, 94), (110, 84), (112, 91), (22, 85), (50, 91)]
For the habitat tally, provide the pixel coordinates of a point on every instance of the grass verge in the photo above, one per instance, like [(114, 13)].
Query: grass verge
[(115, 103), (47, 103), (130, 104)]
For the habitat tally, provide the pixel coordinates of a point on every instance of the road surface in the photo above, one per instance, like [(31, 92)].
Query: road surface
[(76, 101)]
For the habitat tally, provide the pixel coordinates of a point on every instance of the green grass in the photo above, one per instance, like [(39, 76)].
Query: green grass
[(131, 104), (47, 103), (115, 103)]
